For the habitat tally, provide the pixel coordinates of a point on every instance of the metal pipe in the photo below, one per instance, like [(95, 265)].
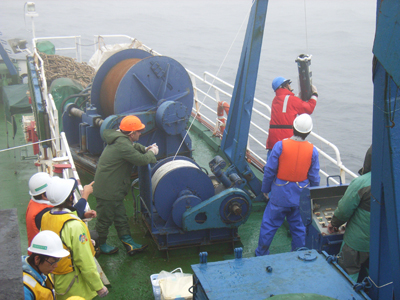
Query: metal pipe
[(76, 112)]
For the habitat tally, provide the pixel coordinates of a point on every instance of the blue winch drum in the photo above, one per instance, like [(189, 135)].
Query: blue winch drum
[(175, 176)]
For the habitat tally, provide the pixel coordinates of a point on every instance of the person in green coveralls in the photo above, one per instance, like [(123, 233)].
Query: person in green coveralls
[(112, 181), (354, 208), (76, 274)]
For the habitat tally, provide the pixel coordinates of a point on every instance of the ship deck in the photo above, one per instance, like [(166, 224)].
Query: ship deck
[(129, 276)]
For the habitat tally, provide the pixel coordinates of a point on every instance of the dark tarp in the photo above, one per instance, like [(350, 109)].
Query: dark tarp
[(15, 102)]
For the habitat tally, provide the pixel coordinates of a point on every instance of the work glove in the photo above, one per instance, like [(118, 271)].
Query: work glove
[(153, 148), (148, 147), (314, 90), (103, 292)]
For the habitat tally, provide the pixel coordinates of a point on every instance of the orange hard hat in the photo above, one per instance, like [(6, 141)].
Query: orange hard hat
[(131, 123)]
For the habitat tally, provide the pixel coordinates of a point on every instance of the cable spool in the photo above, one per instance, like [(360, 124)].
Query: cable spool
[(168, 167), (119, 63), (110, 84), (176, 179)]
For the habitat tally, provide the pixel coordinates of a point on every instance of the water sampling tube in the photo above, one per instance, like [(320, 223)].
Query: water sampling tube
[(305, 75)]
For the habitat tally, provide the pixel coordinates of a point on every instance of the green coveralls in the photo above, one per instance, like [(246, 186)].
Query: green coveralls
[(112, 181)]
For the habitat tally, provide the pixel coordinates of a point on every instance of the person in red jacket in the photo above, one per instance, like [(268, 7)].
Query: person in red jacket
[(38, 184), (284, 109)]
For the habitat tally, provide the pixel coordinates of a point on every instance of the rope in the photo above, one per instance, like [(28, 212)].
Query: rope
[(379, 287), (26, 145), (305, 24), (219, 69), (323, 164)]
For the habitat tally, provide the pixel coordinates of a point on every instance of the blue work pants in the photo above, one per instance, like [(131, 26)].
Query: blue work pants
[(273, 218)]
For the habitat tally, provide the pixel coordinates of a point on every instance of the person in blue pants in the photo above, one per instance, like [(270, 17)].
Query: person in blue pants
[(292, 166)]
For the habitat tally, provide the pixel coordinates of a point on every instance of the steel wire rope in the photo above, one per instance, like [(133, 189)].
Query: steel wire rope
[(320, 144), (212, 83), (26, 145)]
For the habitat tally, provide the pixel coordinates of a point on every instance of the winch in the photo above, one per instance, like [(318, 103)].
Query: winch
[(182, 205), (157, 89)]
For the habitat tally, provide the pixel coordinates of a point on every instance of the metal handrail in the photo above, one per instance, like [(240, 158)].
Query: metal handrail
[(221, 91), (60, 151)]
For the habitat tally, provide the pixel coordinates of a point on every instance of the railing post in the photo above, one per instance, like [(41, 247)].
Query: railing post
[(196, 99)]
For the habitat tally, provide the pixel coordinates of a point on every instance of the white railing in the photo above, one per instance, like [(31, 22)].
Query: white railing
[(74, 40), (59, 152), (218, 87)]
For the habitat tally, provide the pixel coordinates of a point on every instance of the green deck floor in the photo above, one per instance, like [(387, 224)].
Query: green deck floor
[(129, 276)]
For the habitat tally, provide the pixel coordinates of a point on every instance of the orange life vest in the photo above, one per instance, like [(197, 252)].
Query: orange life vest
[(295, 160), (31, 212)]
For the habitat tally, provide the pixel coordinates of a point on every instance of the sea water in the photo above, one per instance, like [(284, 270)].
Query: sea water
[(206, 35)]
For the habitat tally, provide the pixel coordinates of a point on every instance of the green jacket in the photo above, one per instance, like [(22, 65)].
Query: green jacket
[(112, 178), (354, 208)]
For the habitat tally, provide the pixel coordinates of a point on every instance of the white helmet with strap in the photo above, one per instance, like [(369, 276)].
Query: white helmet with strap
[(59, 189), (48, 243), (38, 183)]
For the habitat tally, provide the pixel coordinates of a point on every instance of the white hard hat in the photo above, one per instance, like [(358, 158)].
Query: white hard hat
[(38, 183), (48, 243), (303, 123), (59, 189)]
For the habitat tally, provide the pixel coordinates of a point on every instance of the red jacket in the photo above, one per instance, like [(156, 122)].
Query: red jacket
[(283, 114)]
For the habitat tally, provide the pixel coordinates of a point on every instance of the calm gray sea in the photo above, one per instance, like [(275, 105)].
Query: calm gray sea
[(198, 33)]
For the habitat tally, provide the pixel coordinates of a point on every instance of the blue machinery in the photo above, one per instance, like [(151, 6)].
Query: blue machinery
[(259, 278), (183, 206), (180, 204), (157, 89), (308, 272)]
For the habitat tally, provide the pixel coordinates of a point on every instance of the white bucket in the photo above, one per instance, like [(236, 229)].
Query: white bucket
[(156, 286)]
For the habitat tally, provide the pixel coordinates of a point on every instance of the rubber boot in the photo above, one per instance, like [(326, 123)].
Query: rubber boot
[(107, 249), (130, 246)]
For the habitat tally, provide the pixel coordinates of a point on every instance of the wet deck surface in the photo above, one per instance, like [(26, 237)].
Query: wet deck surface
[(129, 276)]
